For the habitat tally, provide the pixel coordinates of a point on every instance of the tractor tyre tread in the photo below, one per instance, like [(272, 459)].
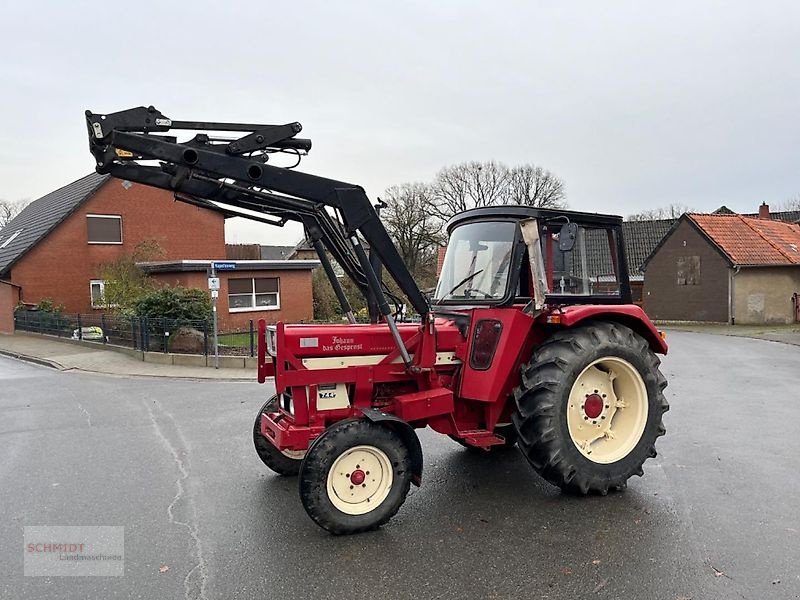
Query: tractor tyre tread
[(546, 382), (320, 457)]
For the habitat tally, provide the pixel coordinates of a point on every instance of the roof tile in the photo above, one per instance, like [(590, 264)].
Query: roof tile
[(641, 237), (41, 216), (749, 241)]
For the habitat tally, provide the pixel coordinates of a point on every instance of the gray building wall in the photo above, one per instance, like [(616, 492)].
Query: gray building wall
[(764, 294), (687, 279)]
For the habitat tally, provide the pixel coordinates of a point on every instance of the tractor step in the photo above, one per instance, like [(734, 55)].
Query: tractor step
[(481, 438)]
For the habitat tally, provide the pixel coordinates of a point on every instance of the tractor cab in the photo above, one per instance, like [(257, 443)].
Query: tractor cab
[(506, 255)]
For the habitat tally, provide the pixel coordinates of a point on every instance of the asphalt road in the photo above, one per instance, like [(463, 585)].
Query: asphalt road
[(717, 514)]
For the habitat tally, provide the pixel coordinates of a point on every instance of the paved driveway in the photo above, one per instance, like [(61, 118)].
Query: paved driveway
[(717, 514)]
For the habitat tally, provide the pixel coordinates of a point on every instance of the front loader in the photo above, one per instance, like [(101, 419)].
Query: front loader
[(530, 338)]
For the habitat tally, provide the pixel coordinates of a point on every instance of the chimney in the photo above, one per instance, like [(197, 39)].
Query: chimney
[(763, 211)]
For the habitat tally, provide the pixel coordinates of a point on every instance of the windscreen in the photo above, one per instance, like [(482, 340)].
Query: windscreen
[(477, 263)]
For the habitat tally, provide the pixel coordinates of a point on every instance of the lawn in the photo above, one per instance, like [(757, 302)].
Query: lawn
[(238, 340)]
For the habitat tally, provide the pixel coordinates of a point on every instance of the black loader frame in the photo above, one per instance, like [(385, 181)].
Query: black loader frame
[(232, 176)]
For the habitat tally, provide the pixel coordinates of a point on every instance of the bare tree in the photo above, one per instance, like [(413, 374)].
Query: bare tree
[(535, 186), (125, 281), (415, 212), (469, 185), (792, 203), (9, 210), (473, 184), (672, 211), (415, 231)]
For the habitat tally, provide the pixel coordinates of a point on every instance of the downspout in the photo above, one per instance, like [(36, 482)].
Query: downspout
[(732, 294)]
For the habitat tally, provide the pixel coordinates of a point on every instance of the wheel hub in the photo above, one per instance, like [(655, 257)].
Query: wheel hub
[(359, 480), (607, 410), (593, 405), (357, 477)]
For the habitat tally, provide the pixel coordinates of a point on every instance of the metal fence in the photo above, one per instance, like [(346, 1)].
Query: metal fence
[(140, 333)]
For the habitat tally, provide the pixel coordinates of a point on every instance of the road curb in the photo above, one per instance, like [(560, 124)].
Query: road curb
[(745, 336), (158, 376), (33, 359), (44, 362)]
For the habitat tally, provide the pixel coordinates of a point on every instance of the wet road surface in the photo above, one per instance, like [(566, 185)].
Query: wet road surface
[(717, 514)]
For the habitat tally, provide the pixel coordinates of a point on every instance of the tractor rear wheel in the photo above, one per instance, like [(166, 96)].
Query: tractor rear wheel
[(590, 406), (355, 477), (286, 462)]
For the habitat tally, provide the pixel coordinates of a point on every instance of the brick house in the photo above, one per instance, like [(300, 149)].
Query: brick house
[(725, 268), (273, 290), (260, 252), (55, 248), (641, 237)]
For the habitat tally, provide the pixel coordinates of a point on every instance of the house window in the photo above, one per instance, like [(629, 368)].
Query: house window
[(97, 291), (688, 270), (104, 229), (256, 293)]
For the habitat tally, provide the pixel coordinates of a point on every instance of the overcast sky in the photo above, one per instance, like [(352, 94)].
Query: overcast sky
[(634, 105)]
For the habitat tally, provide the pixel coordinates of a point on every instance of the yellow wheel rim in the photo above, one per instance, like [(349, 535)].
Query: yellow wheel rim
[(294, 454), (607, 410), (360, 480)]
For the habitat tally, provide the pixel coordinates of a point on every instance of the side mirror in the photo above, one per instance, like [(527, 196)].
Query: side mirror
[(567, 237)]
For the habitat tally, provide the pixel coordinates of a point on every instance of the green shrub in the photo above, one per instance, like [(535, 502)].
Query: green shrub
[(48, 305), (178, 303)]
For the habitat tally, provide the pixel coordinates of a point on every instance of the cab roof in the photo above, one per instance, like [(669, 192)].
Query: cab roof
[(517, 212)]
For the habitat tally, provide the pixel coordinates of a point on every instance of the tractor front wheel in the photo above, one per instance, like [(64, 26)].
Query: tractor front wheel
[(355, 477), (590, 406), (286, 462)]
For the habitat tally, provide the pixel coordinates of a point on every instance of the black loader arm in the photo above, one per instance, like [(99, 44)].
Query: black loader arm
[(229, 174)]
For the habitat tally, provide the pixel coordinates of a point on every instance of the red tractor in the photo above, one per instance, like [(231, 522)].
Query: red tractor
[(530, 338)]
